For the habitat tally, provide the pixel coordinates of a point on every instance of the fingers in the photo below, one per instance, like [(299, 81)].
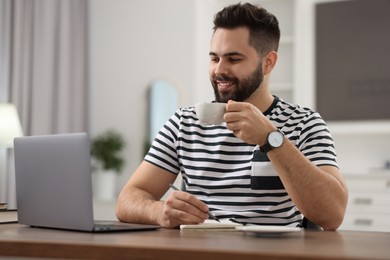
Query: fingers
[(247, 122), (183, 208), (234, 106), (239, 111), (188, 203), (234, 113), (239, 115)]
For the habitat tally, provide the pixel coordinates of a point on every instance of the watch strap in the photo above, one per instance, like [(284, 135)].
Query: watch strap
[(266, 148)]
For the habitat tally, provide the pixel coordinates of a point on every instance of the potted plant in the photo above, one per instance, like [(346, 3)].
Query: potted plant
[(107, 162)]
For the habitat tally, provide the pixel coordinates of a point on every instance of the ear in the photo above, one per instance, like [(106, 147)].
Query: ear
[(269, 62)]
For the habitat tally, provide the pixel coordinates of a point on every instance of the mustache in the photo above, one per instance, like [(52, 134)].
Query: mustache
[(225, 78)]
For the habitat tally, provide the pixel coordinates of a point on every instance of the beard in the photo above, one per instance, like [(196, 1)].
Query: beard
[(243, 88)]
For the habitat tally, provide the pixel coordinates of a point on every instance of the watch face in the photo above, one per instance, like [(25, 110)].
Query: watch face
[(275, 139)]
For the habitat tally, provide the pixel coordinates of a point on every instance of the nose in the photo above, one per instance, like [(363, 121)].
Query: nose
[(221, 68)]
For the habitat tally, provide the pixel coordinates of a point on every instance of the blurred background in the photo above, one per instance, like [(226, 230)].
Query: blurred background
[(80, 65)]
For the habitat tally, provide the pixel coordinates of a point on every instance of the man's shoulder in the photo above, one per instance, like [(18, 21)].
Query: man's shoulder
[(285, 108), (186, 114), (187, 110)]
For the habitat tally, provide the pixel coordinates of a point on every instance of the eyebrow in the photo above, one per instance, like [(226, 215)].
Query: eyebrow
[(233, 53)]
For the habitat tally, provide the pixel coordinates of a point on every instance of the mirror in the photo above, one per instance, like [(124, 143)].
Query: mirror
[(162, 102)]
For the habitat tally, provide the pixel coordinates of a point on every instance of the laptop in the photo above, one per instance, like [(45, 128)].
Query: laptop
[(54, 184)]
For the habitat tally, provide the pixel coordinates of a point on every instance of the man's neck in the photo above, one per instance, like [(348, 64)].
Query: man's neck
[(261, 98)]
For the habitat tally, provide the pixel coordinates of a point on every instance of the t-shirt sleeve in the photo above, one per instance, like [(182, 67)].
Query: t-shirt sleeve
[(163, 153), (316, 142)]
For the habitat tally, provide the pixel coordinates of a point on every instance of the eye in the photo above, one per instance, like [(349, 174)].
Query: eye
[(214, 59), (234, 60)]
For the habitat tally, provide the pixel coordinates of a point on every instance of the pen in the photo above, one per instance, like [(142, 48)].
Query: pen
[(211, 215)]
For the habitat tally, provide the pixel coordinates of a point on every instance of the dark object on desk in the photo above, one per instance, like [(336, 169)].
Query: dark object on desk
[(54, 187)]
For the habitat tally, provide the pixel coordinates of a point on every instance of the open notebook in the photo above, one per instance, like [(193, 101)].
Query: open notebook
[(228, 225), (210, 224)]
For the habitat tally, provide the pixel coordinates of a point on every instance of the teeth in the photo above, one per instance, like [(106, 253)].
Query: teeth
[(224, 83)]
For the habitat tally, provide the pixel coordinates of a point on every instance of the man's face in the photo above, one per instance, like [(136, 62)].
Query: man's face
[(235, 66)]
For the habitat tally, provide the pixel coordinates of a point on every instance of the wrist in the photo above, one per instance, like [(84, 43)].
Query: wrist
[(275, 139)]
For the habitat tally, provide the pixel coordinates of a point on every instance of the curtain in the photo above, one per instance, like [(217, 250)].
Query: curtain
[(43, 63)]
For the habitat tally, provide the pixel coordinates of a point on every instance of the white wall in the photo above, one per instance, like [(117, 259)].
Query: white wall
[(133, 43)]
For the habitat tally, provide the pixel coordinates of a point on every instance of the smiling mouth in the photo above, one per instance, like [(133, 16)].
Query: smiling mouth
[(225, 85)]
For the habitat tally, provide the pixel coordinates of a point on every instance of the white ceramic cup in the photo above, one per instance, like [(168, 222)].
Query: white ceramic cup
[(210, 113)]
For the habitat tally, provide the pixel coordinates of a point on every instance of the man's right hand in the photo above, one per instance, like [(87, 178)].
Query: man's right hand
[(140, 200), (182, 208)]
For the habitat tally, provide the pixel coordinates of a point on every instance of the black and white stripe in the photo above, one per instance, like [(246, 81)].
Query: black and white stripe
[(233, 177)]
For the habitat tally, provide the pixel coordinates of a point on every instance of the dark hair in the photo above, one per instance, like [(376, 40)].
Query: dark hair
[(263, 26)]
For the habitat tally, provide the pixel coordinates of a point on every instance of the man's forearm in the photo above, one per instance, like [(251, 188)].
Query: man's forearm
[(318, 194), (137, 206)]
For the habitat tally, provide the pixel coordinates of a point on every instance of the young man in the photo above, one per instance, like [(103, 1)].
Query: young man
[(270, 163)]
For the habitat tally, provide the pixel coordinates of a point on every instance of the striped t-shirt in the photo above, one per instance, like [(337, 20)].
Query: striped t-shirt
[(235, 179)]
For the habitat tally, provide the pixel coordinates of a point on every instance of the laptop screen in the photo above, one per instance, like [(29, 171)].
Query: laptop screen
[(53, 181)]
